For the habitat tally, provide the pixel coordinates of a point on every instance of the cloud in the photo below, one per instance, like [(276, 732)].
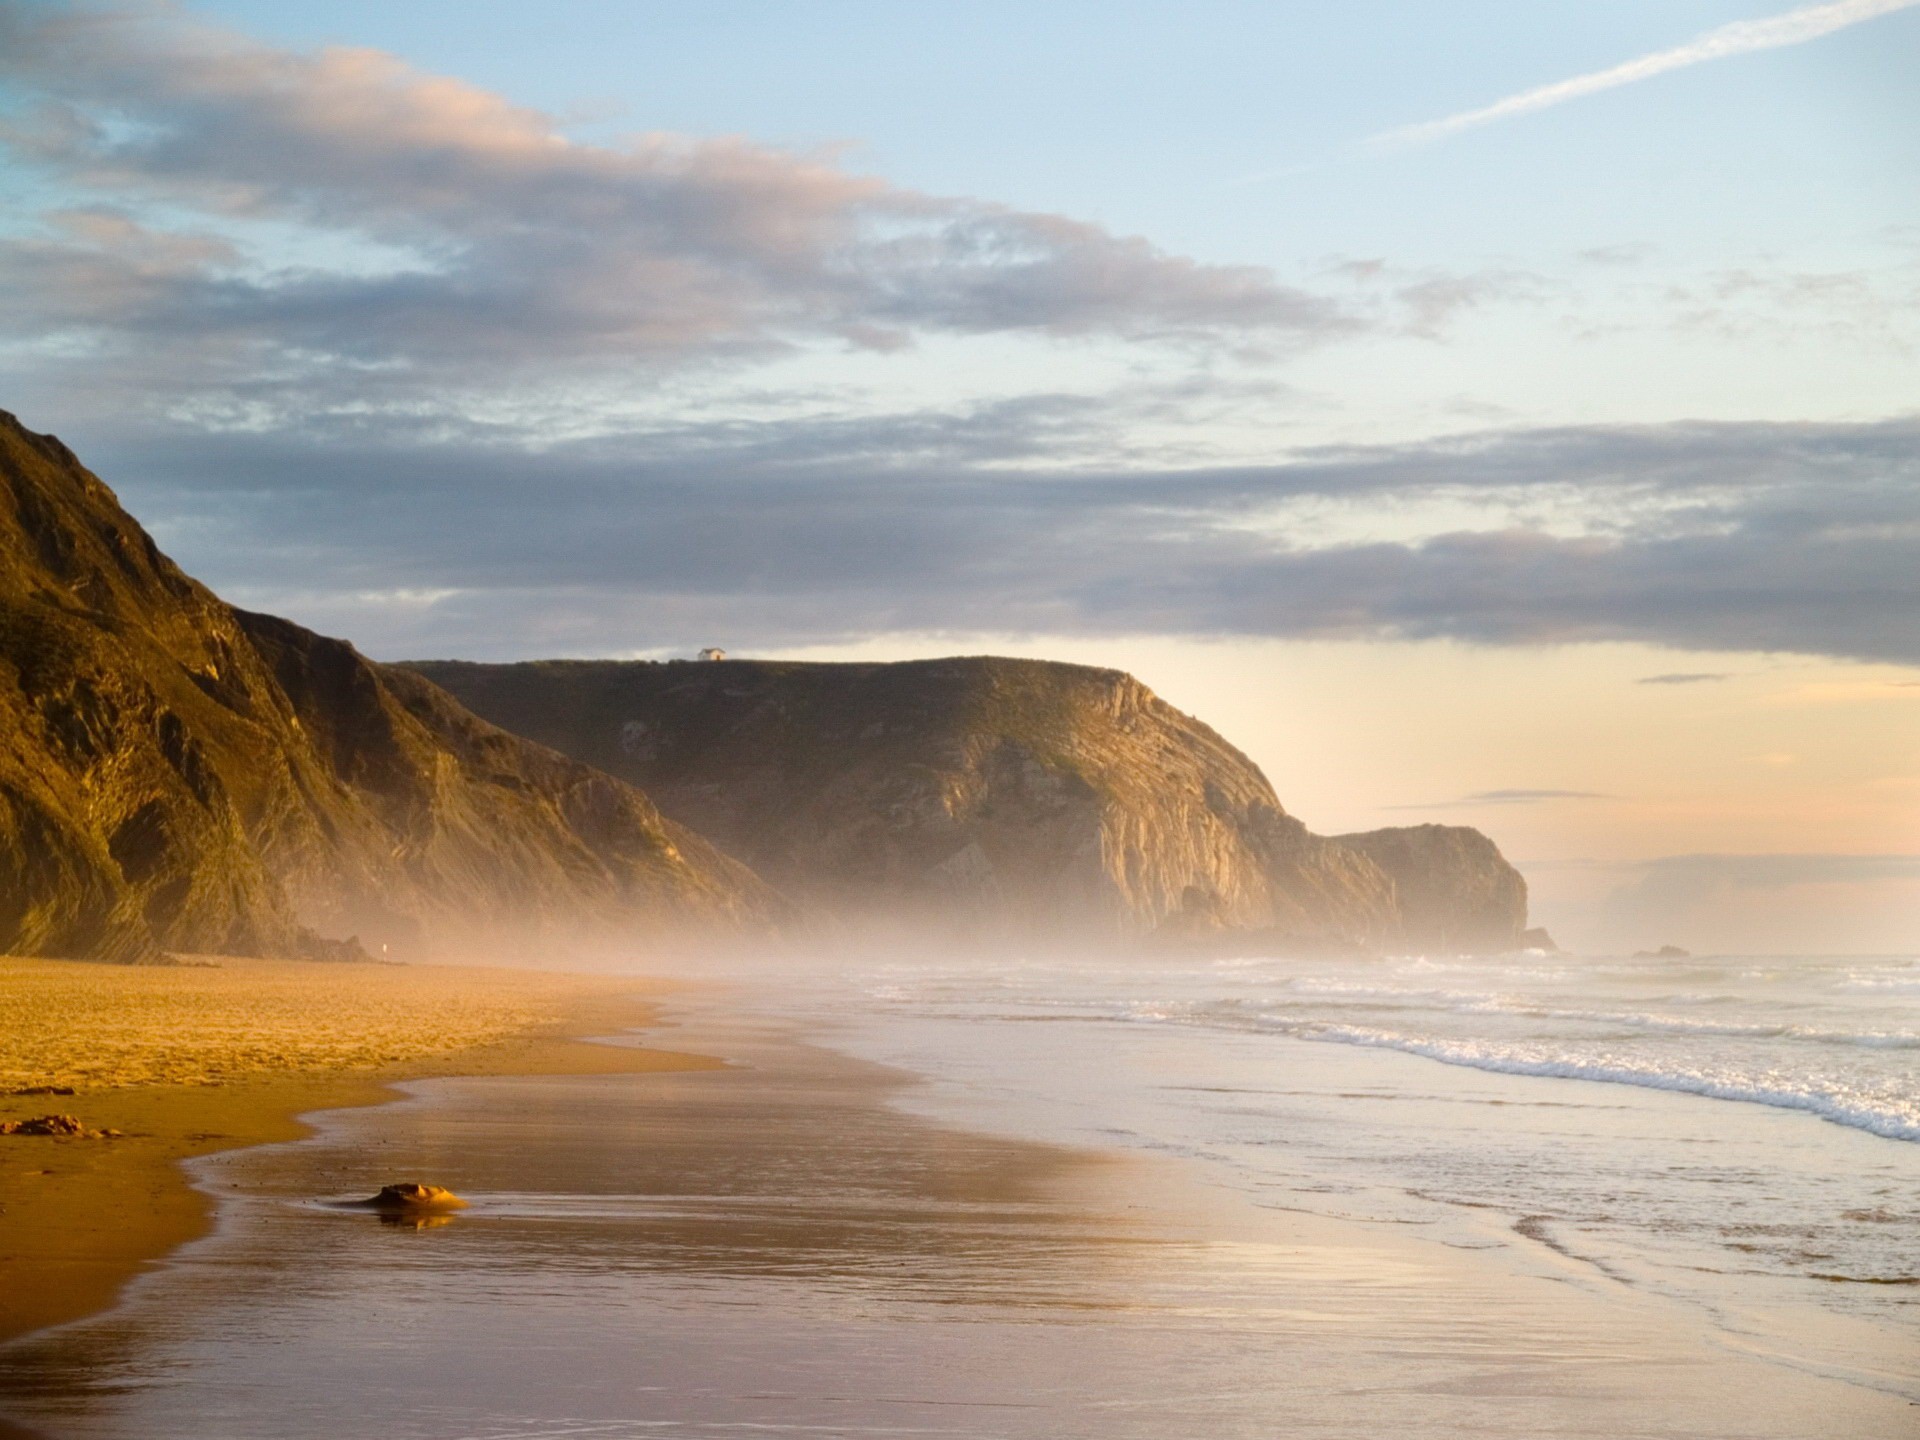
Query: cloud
[(1773, 537), (241, 215), (1773, 872), (1425, 301), (1685, 677), (1812, 903), (1741, 37), (1528, 797), (1622, 254), (1506, 797), (1866, 307), (325, 316)]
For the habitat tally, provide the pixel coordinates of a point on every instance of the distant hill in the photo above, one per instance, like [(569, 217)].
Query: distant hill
[(176, 774), (985, 798)]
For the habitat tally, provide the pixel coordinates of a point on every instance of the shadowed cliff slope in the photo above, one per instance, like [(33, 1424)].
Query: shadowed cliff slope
[(177, 774), (990, 796)]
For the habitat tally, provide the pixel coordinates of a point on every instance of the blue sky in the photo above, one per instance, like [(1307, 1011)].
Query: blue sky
[(1642, 254), (1141, 333), (1150, 117)]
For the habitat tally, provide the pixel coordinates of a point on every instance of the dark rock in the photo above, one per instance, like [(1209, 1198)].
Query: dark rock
[(411, 1196), (58, 1126)]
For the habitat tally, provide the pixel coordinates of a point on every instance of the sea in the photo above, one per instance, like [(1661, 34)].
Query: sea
[(1738, 1133), (1519, 1196)]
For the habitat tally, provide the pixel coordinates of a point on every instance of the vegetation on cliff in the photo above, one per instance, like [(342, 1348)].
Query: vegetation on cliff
[(994, 797)]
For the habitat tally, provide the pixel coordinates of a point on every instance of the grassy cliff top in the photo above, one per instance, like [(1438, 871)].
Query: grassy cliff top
[(1101, 725)]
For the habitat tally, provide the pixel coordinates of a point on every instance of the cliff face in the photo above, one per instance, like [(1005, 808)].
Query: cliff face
[(178, 774), (986, 796), (1453, 890)]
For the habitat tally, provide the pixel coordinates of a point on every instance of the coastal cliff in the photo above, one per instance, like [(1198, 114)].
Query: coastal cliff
[(176, 774), (993, 798), (1453, 890)]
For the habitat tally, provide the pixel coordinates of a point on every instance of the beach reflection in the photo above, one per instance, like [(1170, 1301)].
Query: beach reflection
[(778, 1250), (775, 1219)]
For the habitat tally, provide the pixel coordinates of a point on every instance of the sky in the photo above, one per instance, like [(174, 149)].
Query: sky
[(1482, 412)]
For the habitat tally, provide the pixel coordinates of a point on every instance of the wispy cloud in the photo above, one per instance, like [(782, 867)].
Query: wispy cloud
[(1505, 797), (1685, 677), (1691, 875), (1742, 37), (1791, 538), (487, 399), (230, 210)]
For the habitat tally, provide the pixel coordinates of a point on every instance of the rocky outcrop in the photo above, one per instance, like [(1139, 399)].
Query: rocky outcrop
[(1453, 890), (176, 774), (409, 1196), (982, 798), (56, 1127)]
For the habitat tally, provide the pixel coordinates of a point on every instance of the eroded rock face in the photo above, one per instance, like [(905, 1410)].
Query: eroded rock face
[(176, 774), (1453, 890), (987, 797)]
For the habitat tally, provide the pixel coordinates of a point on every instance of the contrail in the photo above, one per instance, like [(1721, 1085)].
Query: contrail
[(1795, 27)]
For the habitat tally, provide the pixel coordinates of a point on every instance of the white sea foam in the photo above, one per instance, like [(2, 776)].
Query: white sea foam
[(1825, 1037), (1891, 1118), (1910, 984), (1472, 1003), (1758, 1073), (1688, 1025)]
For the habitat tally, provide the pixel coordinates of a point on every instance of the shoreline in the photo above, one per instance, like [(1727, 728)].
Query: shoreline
[(789, 1241), (801, 1208), (81, 1219), (892, 1200)]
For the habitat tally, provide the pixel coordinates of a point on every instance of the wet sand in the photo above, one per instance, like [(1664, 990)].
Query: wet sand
[(187, 1061), (778, 1247)]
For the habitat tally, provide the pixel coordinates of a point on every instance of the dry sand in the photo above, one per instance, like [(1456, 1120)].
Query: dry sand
[(190, 1059)]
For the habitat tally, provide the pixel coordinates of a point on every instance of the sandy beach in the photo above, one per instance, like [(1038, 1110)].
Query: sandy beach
[(782, 1246), (225, 1053)]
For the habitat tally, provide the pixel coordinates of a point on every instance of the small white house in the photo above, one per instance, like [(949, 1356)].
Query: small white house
[(713, 653)]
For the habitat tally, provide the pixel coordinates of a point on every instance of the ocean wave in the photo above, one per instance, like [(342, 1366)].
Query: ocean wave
[(1755, 1030), (1480, 1003), (1891, 1117), (1893, 1120), (1906, 984)]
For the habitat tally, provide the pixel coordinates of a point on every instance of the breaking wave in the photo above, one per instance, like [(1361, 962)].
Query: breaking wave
[(1893, 1120), (1810, 1086)]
